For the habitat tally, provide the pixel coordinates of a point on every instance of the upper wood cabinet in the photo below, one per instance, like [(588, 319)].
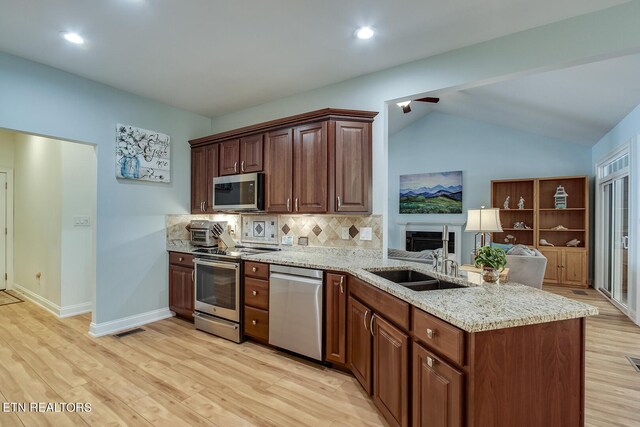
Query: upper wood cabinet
[(315, 162), (241, 155), (351, 166), (204, 167), (310, 168), (279, 171)]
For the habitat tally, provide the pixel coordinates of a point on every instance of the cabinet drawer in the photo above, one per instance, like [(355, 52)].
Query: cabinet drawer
[(256, 323), (256, 293), (439, 336), (256, 269), (178, 258), (392, 308)]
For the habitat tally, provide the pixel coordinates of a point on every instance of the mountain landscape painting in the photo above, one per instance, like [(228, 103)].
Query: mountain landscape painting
[(431, 193)]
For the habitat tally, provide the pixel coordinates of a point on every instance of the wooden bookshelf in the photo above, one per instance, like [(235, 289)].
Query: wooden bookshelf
[(567, 266)]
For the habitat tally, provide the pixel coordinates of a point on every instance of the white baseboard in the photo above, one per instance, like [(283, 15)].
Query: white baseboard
[(53, 308), (109, 328), (76, 309)]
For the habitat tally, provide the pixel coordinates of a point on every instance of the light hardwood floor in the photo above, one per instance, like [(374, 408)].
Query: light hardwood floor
[(172, 375)]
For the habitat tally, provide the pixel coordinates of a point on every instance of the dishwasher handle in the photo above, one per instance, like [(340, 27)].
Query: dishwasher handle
[(297, 279)]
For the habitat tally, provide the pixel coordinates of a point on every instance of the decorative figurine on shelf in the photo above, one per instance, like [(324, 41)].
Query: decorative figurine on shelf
[(573, 243), (521, 203), (560, 198), (560, 227), (521, 225), (510, 239), (527, 227), (506, 202), (543, 242)]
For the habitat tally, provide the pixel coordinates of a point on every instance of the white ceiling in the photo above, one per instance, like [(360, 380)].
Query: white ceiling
[(577, 104), (217, 56)]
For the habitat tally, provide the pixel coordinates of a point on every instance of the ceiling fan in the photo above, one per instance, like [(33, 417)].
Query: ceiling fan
[(406, 105)]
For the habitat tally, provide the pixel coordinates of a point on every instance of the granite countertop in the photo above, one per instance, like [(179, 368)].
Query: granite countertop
[(472, 308)]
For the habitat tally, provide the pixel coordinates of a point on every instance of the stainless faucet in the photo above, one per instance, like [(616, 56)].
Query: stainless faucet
[(444, 267), (451, 271)]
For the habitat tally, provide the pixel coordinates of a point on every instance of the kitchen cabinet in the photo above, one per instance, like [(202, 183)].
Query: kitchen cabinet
[(310, 158), (360, 343), (204, 167), (336, 318), (181, 285), (390, 371), (315, 162), (256, 300), (279, 171), (242, 155), (437, 391), (566, 266), (351, 160)]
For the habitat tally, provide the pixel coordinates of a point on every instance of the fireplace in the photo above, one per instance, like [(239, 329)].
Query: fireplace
[(418, 241)]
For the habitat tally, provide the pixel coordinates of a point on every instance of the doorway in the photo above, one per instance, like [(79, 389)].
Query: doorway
[(614, 228)]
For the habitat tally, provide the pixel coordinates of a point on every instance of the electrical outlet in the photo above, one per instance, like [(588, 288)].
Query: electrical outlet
[(81, 221), (365, 233), (345, 233), (287, 240)]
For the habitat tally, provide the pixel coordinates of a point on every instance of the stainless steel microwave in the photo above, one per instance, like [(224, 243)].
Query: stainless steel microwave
[(239, 192)]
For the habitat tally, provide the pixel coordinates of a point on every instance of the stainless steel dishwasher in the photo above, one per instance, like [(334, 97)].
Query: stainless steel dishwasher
[(295, 310)]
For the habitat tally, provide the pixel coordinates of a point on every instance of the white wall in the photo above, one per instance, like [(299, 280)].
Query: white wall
[(37, 207), (132, 262), (482, 151)]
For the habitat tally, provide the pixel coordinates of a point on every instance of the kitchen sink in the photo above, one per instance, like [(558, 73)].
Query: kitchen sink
[(415, 280)]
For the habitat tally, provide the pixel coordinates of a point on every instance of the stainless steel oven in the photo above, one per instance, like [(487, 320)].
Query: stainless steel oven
[(217, 297), (239, 192)]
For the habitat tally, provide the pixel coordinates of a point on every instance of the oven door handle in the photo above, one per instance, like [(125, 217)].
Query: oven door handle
[(227, 265)]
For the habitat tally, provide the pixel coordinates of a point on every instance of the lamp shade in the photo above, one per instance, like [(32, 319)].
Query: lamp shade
[(484, 220)]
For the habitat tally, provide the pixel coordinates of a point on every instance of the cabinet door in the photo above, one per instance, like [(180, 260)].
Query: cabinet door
[(359, 343), (198, 179), (279, 171), (437, 391), (352, 158), (310, 168), (574, 267), (336, 318), (211, 156), (181, 296), (552, 273), (390, 371), (230, 157), (251, 153)]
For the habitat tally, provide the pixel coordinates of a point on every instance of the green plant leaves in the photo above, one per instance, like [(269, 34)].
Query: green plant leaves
[(489, 256)]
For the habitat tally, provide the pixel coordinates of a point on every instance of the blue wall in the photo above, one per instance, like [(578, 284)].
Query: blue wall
[(483, 151), (131, 257)]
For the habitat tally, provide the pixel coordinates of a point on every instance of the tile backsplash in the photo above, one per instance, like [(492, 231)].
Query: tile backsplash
[(321, 230)]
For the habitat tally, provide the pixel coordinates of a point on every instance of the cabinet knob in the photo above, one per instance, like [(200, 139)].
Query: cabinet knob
[(342, 284), (288, 204), (242, 166), (430, 333), (254, 322), (430, 361), (254, 293), (235, 167), (339, 202), (254, 269), (180, 259)]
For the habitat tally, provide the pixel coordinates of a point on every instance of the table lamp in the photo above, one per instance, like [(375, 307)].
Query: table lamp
[(483, 220)]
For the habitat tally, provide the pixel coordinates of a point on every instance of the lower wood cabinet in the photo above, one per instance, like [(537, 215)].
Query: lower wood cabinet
[(390, 371), (437, 391), (360, 343), (256, 300), (336, 318), (181, 285), (566, 266)]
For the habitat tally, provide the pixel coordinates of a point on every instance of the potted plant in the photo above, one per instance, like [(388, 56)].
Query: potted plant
[(492, 260)]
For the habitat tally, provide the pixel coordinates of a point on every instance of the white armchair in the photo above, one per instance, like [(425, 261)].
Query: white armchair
[(526, 269)]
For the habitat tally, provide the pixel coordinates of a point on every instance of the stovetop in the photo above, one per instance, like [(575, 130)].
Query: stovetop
[(231, 253)]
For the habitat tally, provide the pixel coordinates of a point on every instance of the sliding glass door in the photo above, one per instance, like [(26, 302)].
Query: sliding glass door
[(614, 230)]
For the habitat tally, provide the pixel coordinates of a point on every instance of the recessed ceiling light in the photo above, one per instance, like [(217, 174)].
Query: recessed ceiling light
[(364, 33), (72, 37)]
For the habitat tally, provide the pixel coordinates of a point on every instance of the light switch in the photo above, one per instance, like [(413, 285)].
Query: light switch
[(365, 233), (287, 240)]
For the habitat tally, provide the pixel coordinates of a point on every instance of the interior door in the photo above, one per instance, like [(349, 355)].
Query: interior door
[(3, 227)]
